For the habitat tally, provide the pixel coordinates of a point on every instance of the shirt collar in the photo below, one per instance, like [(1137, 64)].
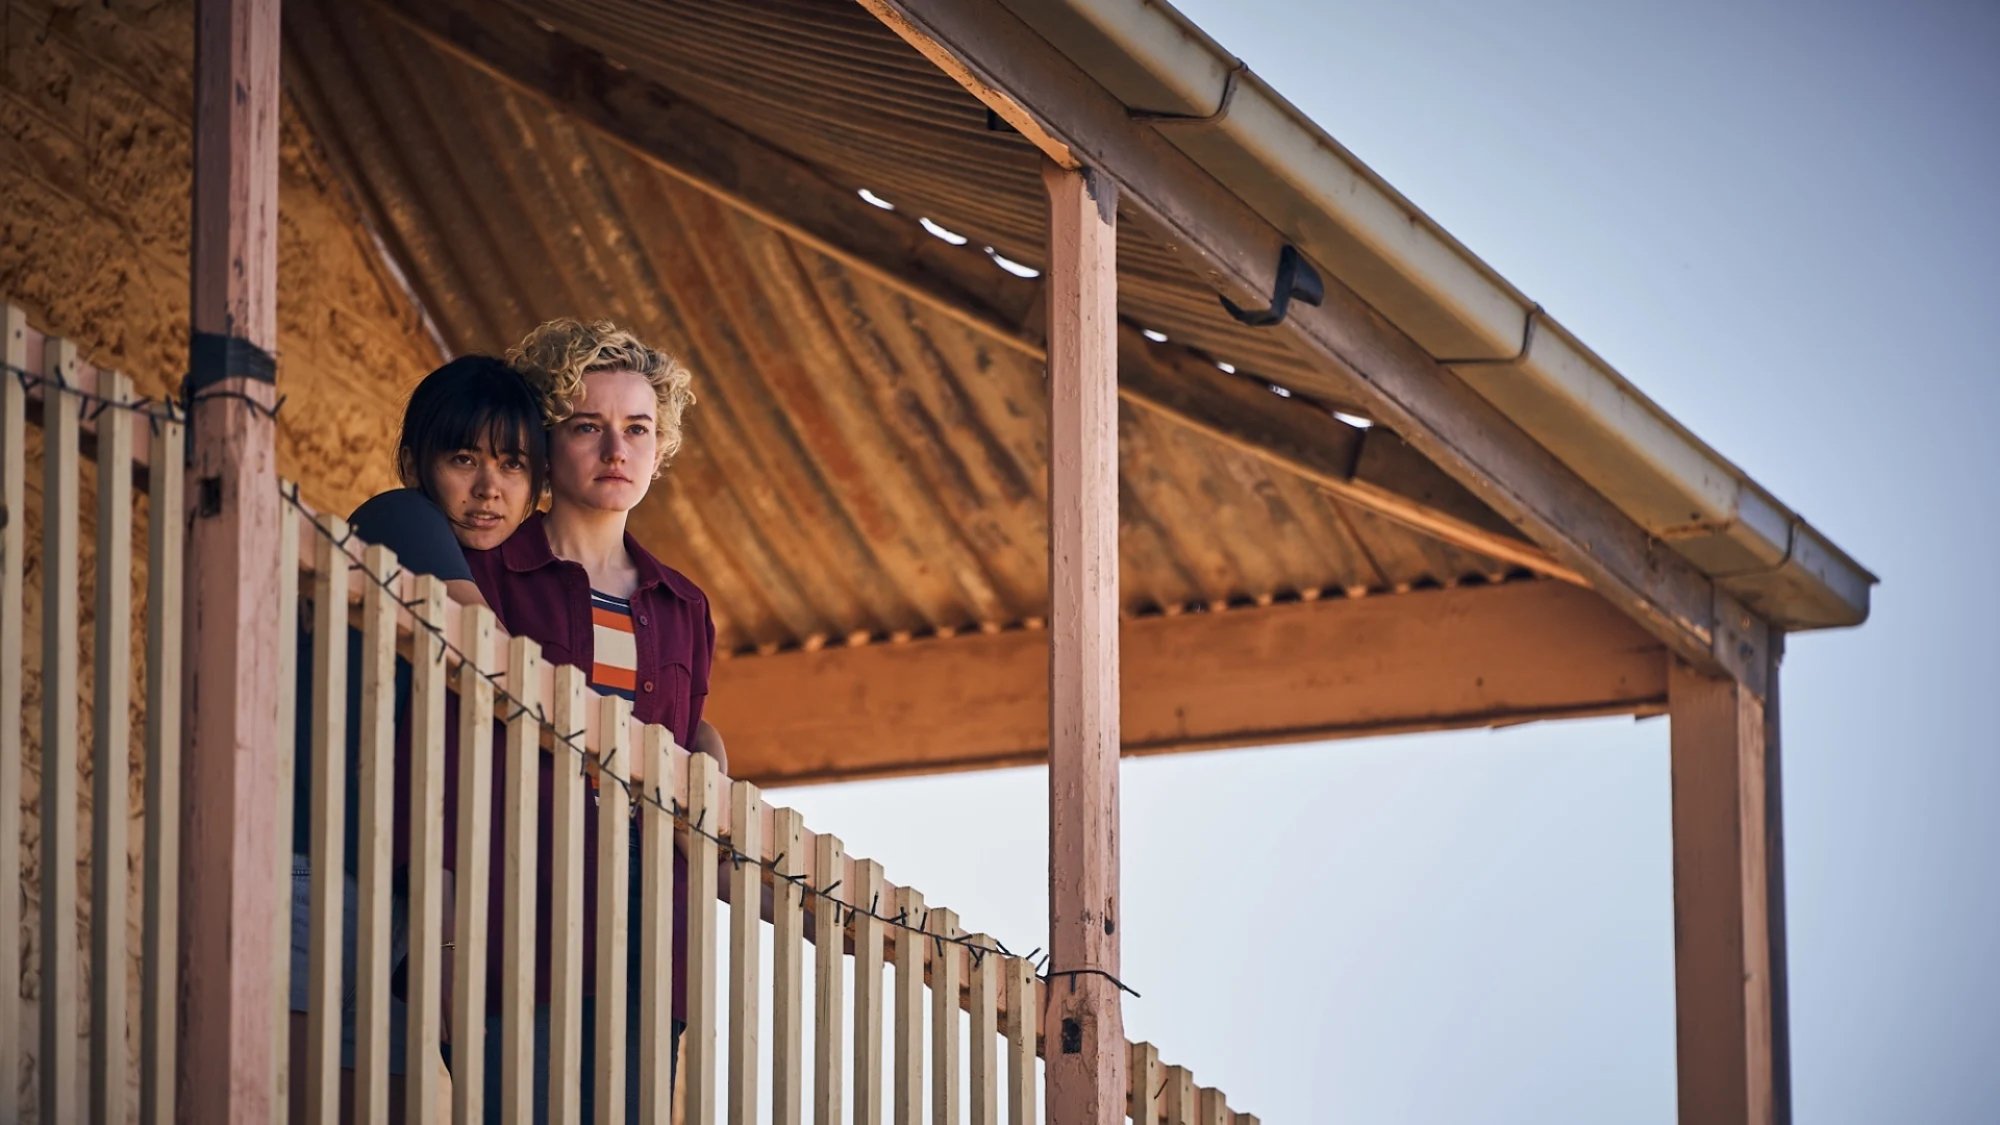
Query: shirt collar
[(528, 550)]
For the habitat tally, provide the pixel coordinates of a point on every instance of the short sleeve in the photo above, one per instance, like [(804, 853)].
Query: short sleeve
[(406, 522)]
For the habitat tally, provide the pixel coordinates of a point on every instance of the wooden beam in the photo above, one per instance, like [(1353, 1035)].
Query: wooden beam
[(1371, 468), (1427, 660), (233, 795), (787, 194), (1083, 1026), (1367, 360), (1726, 989), (699, 149)]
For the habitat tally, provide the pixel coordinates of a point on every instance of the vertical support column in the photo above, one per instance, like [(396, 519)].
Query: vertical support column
[(1774, 865), (1083, 1029), (232, 796), (1725, 983)]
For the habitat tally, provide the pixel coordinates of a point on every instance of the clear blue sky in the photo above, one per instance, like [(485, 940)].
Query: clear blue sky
[(1779, 220)]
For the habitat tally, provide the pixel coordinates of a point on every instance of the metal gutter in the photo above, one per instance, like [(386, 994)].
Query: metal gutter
[(1357, 227)]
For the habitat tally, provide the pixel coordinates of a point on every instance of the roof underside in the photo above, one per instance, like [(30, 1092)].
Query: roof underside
[(858, 463)]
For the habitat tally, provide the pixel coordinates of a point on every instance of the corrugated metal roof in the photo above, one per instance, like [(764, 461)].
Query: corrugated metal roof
[(857, 463)]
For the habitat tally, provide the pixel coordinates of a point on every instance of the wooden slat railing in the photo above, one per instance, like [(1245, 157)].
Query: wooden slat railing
[(328, 824), (13, 600), (60, 765), (111, 759), (950, 1068)]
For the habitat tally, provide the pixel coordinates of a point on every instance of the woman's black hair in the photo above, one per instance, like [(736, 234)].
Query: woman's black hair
[(473, 402)]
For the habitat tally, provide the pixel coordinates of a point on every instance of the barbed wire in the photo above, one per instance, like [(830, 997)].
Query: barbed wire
[(638, 793), (92, 404), (156, 411)]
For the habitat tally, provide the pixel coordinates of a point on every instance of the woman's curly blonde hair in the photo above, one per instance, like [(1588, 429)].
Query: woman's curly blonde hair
[(555, 357)]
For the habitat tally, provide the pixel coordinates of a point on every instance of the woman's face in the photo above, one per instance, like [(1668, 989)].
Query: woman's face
[(603, 457), (485, 494)]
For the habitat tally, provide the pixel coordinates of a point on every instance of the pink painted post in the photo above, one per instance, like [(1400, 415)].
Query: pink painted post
[(233, 803), (1083, 1029)]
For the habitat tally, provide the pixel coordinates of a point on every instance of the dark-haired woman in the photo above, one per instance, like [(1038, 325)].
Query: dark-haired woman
[(471, 459)]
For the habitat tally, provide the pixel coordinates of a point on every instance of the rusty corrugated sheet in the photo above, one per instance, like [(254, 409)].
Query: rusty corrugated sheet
[(857, 464)]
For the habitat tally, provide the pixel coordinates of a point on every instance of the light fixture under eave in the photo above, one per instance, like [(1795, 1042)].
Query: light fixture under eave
[(1010, 265), (1281, 392), (1225, 368), (1355, 420), (874, 200), (1155, 336), (951, 236)]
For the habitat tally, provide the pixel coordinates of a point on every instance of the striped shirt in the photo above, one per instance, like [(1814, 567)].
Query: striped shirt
[(614, 649)]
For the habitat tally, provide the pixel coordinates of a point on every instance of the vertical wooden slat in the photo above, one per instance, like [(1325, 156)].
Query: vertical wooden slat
[(908, 1100), (788, 950), (1145, 1084), (565, 906), (829, 982), (946, 973), (1180, 1098), (521, 781), (328, 825), (1213, 1107), (985, 1062), (746, 887), (424, 980), (656, 933), (111, 761), (1023, 1025), (867, 896), (60, 423), (231, 793), (377, 820), (159, 1003), (705, 813), (1722, 954), (474, 868), (1086, 1084), (13, 609), (280, 857), (614, 891)]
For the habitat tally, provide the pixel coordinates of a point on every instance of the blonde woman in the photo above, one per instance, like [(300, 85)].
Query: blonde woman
[(574, 580)]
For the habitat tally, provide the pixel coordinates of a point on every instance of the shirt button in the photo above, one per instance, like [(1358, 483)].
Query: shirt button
[(648, 685), (642, 619)]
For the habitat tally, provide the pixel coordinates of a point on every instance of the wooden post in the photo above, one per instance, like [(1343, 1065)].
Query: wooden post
[(1083, 1028), (1774, 866), (231, 797), (1725, 986)]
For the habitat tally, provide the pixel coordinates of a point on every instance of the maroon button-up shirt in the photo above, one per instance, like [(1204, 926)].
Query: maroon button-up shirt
[(547, 599)]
